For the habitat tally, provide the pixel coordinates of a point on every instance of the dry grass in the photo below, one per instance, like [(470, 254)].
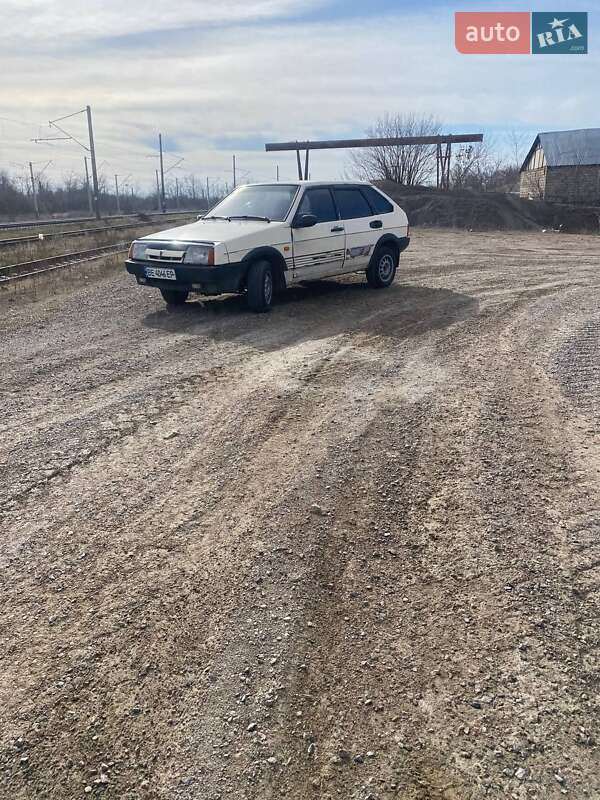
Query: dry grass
[(60, 227), (52, 247), (60, 281)]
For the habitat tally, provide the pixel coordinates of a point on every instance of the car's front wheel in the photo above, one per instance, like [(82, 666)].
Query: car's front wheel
[(260, 286), (174, 297), (382, 269)]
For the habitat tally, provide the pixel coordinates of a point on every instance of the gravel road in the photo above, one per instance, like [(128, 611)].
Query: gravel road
[(349, 549)]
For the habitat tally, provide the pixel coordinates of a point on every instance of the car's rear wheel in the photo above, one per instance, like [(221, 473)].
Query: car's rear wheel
[(382, 269), (174, 297), (260, 286)]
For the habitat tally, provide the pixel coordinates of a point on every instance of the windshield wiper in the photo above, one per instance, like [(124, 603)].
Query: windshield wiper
[(250, 216), (213, 217)]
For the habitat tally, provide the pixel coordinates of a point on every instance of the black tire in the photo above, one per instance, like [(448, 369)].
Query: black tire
[(174, 297), (260, 286), (382, 269)]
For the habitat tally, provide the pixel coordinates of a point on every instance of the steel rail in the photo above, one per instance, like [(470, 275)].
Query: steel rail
[(6, 226), (28, 269), (17, 240)]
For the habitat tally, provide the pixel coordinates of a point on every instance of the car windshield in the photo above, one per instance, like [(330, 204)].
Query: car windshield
[(272, 202)]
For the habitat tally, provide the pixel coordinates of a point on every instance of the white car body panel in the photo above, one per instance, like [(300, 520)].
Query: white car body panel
[(329, 248), (318, 252)]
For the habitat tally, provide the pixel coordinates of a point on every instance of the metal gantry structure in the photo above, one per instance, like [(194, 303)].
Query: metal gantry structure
[(443, 145)]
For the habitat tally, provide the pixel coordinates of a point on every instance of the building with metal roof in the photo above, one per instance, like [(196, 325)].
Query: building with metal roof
[(563, 166)]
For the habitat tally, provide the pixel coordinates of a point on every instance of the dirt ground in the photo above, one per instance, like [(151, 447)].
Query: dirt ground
[(349, 549)]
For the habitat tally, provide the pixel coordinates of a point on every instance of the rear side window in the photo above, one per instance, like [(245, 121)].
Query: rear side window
[(320, 203), (378, 202), (352, 204)]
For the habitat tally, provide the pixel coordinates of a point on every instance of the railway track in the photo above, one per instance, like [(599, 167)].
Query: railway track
[(4, 226), (28, 269), (19, 240)]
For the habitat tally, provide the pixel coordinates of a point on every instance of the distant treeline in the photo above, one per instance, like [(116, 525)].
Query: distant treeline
[(71, 197)]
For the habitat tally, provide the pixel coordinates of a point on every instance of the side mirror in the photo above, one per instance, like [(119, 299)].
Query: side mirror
[(200, 216), (305, 221)]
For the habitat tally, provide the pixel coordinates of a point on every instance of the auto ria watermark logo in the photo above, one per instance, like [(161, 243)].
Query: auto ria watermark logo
[(559, 33), (521, 32)]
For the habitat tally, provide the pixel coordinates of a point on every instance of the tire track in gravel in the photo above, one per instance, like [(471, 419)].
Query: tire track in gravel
[(548, 478), (119, 400), (176, 609), (430, 771), (106, 598), (315, 373)]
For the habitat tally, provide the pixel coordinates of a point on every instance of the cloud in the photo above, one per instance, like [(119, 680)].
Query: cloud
[(234, 86), (65, 20)]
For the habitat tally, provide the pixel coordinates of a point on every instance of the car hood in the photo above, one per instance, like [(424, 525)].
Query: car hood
[(216, 230)]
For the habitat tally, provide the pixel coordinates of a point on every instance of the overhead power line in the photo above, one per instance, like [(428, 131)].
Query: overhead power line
[(68, 116), (20, 122)]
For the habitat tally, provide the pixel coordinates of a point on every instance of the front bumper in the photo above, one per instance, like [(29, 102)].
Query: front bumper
[(204, 280), (403, 243)]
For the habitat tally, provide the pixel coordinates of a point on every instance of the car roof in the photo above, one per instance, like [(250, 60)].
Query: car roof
[(310, 183)]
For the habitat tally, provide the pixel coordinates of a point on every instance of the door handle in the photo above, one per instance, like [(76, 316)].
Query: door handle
[(337, 229), (377, 223)]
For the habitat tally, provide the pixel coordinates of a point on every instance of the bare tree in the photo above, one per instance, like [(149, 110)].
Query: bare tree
[(518, 144), (480, 168), (22, 182), (404, 164), (191, 185), (69, 194), (468, 163), (13, 198)]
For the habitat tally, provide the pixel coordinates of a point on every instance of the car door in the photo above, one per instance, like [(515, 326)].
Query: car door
[(318, 250), (360, 225)]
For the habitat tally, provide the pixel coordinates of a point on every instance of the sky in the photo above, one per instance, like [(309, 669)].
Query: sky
[(218, 78)]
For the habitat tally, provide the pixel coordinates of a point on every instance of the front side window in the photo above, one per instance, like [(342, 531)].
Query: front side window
[(272, 202), (352, 204), (318, 202)]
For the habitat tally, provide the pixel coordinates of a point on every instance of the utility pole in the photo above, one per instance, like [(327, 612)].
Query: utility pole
[(117, 193), (163, 202), (277, 173), (207, 196), (162, 196), (88, 187), (234, 176), (157, 191), (33, 192), (91, 149), (93, 159), (177, 192)]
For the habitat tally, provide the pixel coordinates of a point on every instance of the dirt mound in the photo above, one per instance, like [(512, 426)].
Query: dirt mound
[(489, 210)]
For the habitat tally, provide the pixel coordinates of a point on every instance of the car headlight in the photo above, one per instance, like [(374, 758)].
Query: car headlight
[(137, 251), (200, 254)]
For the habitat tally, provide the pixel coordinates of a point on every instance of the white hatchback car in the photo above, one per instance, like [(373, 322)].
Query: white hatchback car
[(268, 236)]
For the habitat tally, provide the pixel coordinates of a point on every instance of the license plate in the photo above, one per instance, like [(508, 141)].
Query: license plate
[(162, 273)]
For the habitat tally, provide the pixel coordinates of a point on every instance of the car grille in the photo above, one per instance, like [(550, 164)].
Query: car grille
[(175, 256)]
